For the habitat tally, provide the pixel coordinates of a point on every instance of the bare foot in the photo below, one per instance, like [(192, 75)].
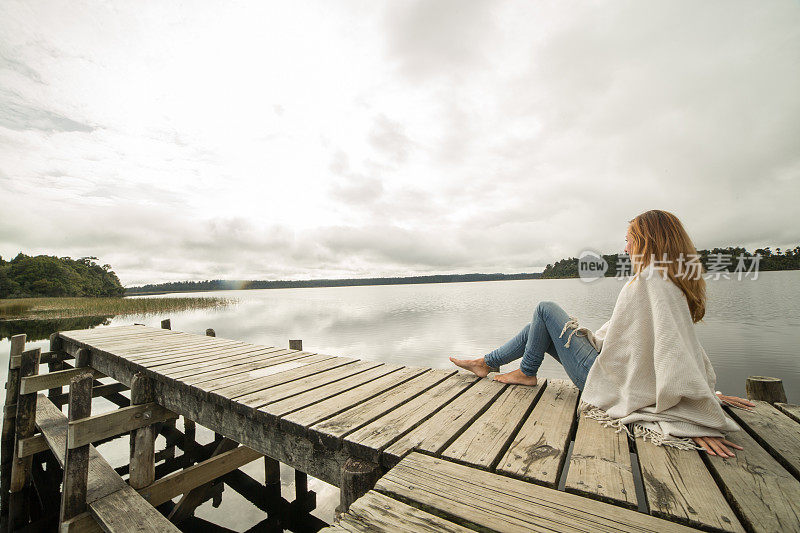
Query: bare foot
[(477, 366), (516, 377)]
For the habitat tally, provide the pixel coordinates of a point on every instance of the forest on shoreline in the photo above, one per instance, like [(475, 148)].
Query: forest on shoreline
[(723, 259), (50, 276)]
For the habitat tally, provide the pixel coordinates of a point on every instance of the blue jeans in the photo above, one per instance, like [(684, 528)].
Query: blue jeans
[(542, 335)]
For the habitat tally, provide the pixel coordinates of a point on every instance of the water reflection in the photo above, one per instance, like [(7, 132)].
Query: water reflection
[(37, 330)]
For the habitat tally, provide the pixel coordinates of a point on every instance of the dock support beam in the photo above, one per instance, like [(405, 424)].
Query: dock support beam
[(25, 427), (143, 459), (76, 460), (765, 388), (9, 424), (358, 478)]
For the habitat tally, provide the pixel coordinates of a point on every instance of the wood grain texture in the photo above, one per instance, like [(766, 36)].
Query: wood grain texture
[(539, 449), (124, 511), (333, 429), (763, 493), (318, 394), (330, 374), (485, 501), (600, 464), (299, 421), (375, 512), (679, 487), (103, 479), (287, 379), (789, 409), (775, 431), (370, 440), (443, 428), (483, 442)]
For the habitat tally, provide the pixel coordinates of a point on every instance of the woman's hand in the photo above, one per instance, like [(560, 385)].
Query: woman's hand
[(735, 401), (716, 446)]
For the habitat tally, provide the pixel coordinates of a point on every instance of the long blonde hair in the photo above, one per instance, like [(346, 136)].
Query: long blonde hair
[(659, 235)]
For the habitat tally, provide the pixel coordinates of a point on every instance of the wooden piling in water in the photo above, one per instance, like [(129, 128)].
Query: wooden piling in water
[(765, 388), (8, 435), (142, 456), (25, 427), (76, 462)]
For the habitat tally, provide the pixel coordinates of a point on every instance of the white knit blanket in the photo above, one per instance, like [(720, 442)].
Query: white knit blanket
[(652, 371)]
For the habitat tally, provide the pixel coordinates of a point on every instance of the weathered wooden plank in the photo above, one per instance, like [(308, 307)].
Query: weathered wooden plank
[(76, 459), (775, 431), (202, 355), (266, 378), (440, 430), (306, 384), (178, 370), (103, 480), (98, 427), (276, 364), (242, 367), (299, 421), (8, 439), (214, 412), (331, 430), (39, 382), (600, 464), (537, 452), (483, 442), (284, 369), (375, 512), (124, 511), (679, 487), (185, 480), (83, 523), (289, 381), (490, 502), (370, 440), (25, 421), (154, 349), (97, 391), (232, 364), (789, 409), (31, 445), (319, 394), (194, 497), (765, 496)]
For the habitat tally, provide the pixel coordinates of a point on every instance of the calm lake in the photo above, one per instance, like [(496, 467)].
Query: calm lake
[(752, 327)]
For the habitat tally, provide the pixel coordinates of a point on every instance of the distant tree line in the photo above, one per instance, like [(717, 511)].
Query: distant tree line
[(770, 260), (44, 275), (221, 285)]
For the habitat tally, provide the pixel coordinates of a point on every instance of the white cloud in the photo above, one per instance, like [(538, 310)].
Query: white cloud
[(337, 139)]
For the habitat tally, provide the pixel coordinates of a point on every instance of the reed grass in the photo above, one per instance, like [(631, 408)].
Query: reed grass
[(49, 308)]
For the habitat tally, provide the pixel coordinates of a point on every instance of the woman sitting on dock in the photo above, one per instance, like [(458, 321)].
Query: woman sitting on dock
[(645, 365)]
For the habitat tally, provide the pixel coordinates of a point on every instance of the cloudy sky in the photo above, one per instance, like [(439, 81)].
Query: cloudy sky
[(263, 140)]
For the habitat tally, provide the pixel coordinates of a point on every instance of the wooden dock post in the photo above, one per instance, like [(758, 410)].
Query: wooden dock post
[(358, 478), (9, 415), (56, 363), (765, 388), (25, 424), (76, 460), (143, 460), (305, 499)]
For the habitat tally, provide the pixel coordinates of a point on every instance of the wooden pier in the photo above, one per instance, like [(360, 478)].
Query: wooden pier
[(412, 449)]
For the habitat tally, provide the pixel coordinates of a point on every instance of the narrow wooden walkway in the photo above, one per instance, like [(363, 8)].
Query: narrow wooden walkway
[(519, 452)]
